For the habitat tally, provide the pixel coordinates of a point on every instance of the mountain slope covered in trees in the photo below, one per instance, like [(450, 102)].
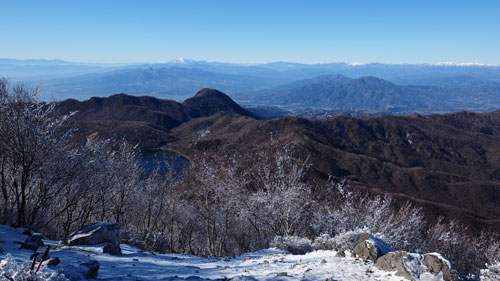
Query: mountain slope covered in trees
[(448, 163), (145, 120), (372, 94)]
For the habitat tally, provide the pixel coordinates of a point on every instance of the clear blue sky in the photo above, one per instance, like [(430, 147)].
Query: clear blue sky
[(307, 31)]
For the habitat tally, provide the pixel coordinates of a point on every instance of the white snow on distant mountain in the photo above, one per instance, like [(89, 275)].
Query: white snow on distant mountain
[(182, 60), (450, 63), (357, 63)]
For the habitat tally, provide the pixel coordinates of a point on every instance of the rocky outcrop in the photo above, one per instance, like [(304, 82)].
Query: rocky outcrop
[(435, 264), (394, 262), (367, 250), (98, 233), (360, 244), (367, 247), (415, 266)]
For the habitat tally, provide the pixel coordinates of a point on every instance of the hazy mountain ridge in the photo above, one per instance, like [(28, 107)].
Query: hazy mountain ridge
[(174, 83), (61, 79), (372, 94)]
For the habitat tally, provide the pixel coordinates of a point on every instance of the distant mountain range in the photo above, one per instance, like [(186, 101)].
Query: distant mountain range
[(294, 87), (173, 83), (371, 94)]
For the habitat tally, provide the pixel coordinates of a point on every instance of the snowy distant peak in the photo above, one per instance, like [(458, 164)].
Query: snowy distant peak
[(450, 63), (182, 60), (357, 63)]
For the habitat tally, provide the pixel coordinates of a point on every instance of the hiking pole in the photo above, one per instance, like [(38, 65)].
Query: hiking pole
[(33, 257), (45, 254)]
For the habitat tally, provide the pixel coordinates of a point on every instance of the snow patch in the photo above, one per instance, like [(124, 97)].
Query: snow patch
[(356, 63), (134, 264)]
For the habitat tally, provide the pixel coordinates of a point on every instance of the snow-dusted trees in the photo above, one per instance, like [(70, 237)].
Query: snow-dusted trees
[(47, 180), (347, 209), (33, 142), (223, 206), (104, 177), (157, 208), (214, 189), (282, 202), (467, 251), (491, 272)]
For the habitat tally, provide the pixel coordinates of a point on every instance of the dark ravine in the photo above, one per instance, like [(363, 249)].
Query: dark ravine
[(449, 164)]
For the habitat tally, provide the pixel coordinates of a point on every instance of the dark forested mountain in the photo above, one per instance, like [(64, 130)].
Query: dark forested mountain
[(146, 120), (449, 164)]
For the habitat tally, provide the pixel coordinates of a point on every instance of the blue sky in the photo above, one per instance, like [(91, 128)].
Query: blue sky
[(252, 31)]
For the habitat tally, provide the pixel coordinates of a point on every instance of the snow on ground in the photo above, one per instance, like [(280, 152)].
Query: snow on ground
[(270, 264)]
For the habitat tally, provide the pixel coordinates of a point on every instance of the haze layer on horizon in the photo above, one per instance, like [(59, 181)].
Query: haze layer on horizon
[(252, 31)]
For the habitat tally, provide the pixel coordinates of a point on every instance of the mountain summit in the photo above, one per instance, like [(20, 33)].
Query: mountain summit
[(210, 101)]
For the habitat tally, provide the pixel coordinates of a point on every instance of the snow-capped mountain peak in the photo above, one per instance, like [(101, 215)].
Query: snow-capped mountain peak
[(181, 60), (450, 63)]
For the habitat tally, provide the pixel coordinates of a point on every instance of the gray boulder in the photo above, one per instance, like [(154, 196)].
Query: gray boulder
[(52, 261), (370, 248), (33, 241), (415, 266), (393, 261), (366, 250), (435, 264), (98, 233), (361, 244), (348, 241), (83, 271)]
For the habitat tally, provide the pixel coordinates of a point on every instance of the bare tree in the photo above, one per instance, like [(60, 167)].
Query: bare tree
[(32, 138)]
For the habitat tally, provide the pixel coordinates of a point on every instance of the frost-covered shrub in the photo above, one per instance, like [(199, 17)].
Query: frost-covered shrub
[(156, 242), (342, 241), (12, 270), (491, 272), (347, 240), (323, 242), (131, 238), (293, 244)]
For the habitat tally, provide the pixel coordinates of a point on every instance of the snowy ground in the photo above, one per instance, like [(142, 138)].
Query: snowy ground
[(270, 264)]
